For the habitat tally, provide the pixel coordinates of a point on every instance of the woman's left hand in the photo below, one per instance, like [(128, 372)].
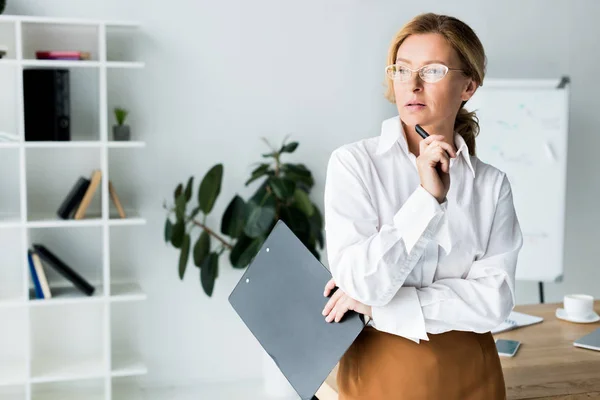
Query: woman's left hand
[(340, 303)]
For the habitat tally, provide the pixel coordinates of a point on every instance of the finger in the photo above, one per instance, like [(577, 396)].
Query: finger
[(444, 160), (340, 311), (331, 315), (331, 303), (449, 149), (328, 287), (423, 144)]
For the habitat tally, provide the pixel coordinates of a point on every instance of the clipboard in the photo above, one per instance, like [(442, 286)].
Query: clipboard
[(280, 299)]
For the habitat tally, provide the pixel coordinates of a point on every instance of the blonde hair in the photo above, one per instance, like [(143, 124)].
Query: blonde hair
[(470, 51)]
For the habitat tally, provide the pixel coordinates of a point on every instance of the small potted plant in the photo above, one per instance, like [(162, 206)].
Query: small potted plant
[(2, 5), (121, 130)]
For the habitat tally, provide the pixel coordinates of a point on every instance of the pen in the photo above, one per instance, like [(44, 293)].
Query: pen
[(423, 133)]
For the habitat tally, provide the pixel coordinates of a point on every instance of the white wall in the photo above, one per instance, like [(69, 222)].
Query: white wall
[(220, 74)]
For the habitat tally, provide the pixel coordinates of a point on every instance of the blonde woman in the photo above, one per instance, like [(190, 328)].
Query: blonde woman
[(422, 236)]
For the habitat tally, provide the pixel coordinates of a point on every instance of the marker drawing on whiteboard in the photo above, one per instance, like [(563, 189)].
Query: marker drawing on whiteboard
[(550, 152)]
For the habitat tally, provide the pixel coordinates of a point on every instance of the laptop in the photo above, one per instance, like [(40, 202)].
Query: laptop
[(590, 341), (280, 299)]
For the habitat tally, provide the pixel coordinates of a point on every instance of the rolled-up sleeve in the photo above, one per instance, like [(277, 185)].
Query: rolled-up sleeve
[(477, 303), (370, 262)]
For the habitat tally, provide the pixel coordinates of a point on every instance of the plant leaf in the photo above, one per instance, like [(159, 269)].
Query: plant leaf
[(267, 155), (289, 148), (180, 205), (297, 221), (262, 170), (238, 248), (283, 188), (303, 202), (201, 248), (183, 256), (210, 188), (259, 220), (244, 250), (178, 191), (188, 189), (178, 234), (195, 212), (168, 230), (316, 226), (234, 217), (208, 272)]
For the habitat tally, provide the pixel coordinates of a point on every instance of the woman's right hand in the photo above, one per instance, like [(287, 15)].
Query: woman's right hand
[(433, 165)]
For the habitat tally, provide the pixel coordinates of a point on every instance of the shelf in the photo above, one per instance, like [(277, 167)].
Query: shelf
[(44, 220), (9, 145), (63, 144), (68, 21), (64, 295), (10, 220), (125, 144), (128, 365), (77, 64), (122, 292), (61, 63), (67, 295), (50, 221), (116, 221), (125, 64)]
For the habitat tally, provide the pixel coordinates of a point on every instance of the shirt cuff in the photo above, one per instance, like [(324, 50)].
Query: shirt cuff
[(415, 217), (402, 316)]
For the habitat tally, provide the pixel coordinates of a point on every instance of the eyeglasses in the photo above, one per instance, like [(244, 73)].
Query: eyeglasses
[(429, 73)]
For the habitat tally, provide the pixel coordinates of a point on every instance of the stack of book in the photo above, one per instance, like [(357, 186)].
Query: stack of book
[(62, 55), (38, 276), (79, 197)]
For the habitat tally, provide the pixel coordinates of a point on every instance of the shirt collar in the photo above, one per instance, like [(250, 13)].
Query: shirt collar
[(392, 132)]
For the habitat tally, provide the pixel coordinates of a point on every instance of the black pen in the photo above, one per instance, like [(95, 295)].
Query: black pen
[(423, 133)]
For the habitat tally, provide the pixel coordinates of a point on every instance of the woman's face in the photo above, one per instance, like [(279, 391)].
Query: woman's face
[(430, 104)]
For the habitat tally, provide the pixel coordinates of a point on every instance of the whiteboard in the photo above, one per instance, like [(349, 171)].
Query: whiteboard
[(523, 132)]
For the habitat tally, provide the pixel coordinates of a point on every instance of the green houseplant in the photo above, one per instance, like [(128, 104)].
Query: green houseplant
[(282, 194), (121, 130), (2, 5)]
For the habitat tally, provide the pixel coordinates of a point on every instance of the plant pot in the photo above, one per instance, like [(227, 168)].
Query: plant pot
[(275, 384), (121, 132)]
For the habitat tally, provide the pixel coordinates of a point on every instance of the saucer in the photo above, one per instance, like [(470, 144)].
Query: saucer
[(592, 317)]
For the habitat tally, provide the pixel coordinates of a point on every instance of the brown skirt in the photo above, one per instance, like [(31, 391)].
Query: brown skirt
[(451, 365)]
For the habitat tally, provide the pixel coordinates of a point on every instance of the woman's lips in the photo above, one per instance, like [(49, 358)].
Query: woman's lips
[(415, 106)]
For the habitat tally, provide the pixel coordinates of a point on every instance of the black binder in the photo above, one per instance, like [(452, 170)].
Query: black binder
[(280, 299)]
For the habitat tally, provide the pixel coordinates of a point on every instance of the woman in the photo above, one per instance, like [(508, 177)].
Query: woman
[(422, 236)]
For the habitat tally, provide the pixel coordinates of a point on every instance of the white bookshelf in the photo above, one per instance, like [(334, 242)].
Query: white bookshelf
[(71, 346)]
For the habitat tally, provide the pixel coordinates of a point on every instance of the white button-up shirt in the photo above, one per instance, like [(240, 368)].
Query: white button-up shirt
[(424, 267)]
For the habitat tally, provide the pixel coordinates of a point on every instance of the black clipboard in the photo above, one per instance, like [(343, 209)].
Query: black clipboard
[(280, 299)]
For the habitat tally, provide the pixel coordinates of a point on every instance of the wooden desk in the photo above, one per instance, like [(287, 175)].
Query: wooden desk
[(547, 365)]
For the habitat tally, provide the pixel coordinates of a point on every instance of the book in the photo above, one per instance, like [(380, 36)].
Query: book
[(516, 320), (39, 270), (89, 194), (36, 283), (115, 199), (64, 269), (70, 203), (62, 55)]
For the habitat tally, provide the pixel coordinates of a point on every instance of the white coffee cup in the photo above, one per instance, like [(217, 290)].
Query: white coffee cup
[(578, 305)]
